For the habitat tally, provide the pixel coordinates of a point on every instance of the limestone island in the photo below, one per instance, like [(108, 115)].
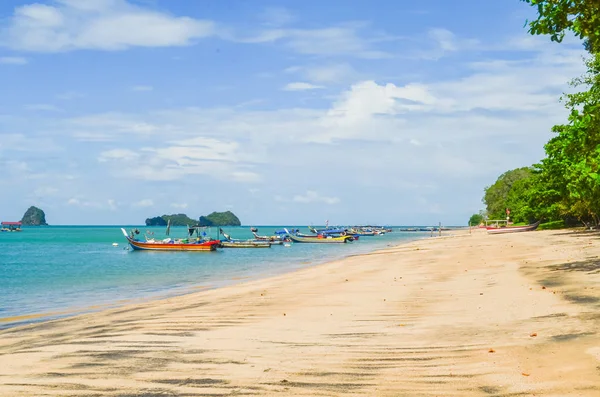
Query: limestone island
[(215, 219), (34, 217)]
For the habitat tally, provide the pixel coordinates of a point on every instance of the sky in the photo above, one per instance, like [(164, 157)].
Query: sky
[(286, 113)]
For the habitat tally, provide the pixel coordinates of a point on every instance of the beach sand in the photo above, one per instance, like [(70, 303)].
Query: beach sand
[(469, 315)]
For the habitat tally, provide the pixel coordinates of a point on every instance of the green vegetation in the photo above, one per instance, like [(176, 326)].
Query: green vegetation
[(563, 189), (476, 219), (176, 220), (34, 217), (226, 218), (555, 17), (506, 193), (552, 225)]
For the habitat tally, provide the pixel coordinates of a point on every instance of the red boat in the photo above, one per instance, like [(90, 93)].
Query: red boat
[(170, 244), (512, 229)]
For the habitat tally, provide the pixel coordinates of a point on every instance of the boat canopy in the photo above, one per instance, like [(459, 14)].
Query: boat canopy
[(332, 231), (11, 224), (285, 231)]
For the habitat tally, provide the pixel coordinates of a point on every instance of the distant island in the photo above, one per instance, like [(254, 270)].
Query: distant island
[(34, 217), (226, 218), (215, 219)]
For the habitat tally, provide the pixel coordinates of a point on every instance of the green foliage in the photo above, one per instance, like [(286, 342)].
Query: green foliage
[(552, 225), (156, 221), (572, 165), (498, 197), (226, 218), (475, 219), (555, 17), (34, 217), (176, 220)]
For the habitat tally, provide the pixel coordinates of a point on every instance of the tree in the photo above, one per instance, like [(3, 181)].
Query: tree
[(475, 219), (555, 17), (571, 169), (496, 196)]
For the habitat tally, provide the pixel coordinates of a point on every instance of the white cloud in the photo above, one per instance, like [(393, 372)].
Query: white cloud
[(313, 197), (277, 16), (174, 160), (118, 154), (246, 176), (330, 41), (142, 88), (13, 60), (180, 206), (300, 86), (330, 73), (100, 24), (112, 204), (111, 126), (144, 203)]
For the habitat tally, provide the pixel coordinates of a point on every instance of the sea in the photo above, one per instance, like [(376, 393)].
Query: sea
[(51, 272)]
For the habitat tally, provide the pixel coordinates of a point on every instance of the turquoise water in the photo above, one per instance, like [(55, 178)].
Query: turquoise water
[(60, 270)]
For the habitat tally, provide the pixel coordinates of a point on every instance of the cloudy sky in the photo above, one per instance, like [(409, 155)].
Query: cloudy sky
[(395, 112)]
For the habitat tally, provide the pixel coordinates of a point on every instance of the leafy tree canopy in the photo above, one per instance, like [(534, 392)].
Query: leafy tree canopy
[(496, 197), (475, 219), (555, 17)]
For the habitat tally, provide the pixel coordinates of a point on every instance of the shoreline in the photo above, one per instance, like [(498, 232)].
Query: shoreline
[(27, 319), (477, 315)]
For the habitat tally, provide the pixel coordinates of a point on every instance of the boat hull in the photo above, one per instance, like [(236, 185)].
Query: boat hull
[(325, 240), (512, 229), (232, 244)]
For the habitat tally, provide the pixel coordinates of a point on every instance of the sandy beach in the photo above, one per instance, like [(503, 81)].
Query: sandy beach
[(465, 315)]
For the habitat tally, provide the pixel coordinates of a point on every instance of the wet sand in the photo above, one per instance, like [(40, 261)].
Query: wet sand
[(470, 315)]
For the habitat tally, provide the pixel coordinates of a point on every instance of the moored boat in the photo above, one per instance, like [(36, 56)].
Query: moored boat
[(245, 244), (170, 244), (321, 239), (279, 237), (11, 227), (233, 243), (512, 229)]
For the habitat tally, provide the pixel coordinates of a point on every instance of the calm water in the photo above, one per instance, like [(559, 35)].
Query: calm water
[(57, 270)]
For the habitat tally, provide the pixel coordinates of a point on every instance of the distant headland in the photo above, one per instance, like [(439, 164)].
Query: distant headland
[(34, 217), (226, 218)]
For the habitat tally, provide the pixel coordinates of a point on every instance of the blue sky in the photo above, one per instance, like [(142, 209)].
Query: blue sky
[(292, 112)]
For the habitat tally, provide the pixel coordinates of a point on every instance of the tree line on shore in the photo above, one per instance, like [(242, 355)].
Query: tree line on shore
[(564, 186)]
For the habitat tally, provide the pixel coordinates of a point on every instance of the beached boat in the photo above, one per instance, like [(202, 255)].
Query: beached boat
[(11, 227), (512, 229), (170, 244), (321, 239)]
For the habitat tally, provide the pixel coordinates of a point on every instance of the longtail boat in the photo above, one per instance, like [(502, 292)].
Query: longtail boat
[(170, 244), (245, 244), (512, 229), (11, 227), (233, 243), (321, 239), (271, 239)]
